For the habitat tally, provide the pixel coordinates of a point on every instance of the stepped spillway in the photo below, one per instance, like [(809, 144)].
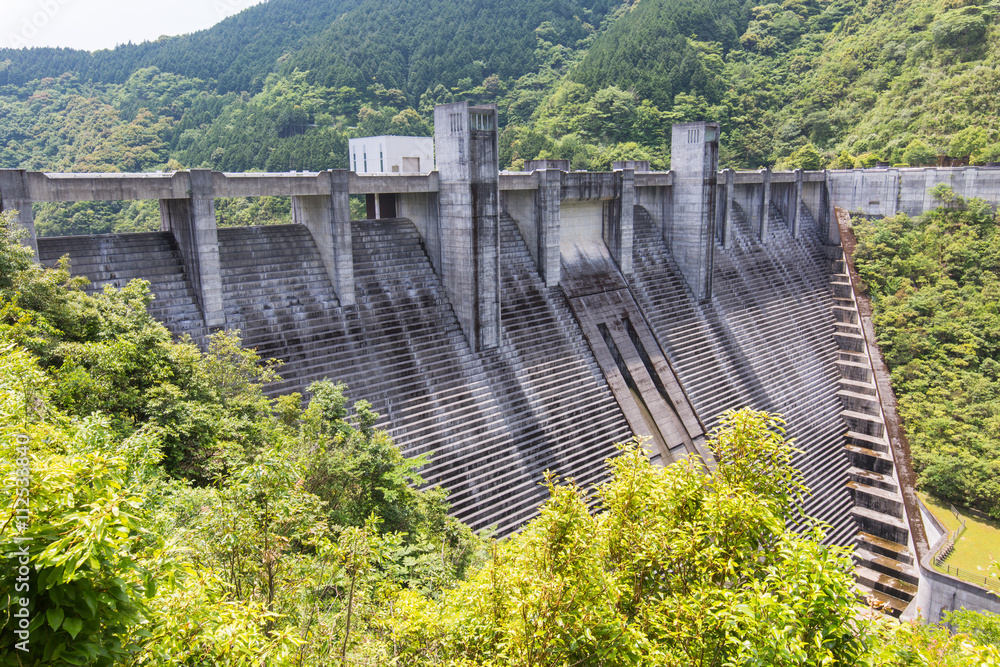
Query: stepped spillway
[(116, 259), (492, 422), (764, 340)]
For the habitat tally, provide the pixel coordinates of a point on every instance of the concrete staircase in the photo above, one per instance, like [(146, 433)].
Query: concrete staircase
[(491, 422), (116, 259), (887, 575), (763, 340), (276, 290)]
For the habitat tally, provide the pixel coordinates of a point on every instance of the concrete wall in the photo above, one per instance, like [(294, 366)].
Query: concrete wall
[(522, 205), (812, 198), (385, 154), (750, 198), (885, 192), (657, 201), (785, 198), (940, 592), (580, 221), (421, 208)]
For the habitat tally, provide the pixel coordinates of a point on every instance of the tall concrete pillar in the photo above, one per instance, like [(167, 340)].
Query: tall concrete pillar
[(548, 212), (192, 222), (469, 193), (328, 218), (15, 196), (765, 203), (796, 203), (619, 222), (694, 162)]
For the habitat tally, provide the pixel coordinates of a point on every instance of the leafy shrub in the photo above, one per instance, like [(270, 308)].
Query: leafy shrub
[(959, 29), (918, 153)]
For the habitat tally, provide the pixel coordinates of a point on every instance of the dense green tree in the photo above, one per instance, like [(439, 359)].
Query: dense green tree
[(934, 284), (806, 157), (918, 154), (674, 568)]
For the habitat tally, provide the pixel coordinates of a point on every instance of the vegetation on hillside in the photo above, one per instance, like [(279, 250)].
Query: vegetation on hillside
[(934, 282), (236, 55), (178, 516), (591, 81)]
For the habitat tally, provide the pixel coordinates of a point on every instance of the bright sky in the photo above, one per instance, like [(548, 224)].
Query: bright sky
[(102, 24)]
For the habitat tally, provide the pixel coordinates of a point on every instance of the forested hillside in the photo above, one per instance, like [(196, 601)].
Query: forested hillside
[(935, 284), (283, 85), (236, 55)]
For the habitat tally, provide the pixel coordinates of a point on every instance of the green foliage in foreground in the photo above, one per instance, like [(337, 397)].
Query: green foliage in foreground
[(675, 567), (304, 541), (935, 285)]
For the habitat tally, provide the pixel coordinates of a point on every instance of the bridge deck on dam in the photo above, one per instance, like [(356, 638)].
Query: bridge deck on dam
[(492, 421), (763, 340)]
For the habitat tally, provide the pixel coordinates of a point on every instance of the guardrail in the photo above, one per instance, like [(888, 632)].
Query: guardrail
[(948, 547), (986, 581)]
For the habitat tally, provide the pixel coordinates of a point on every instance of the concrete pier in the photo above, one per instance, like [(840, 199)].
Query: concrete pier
[(690, 232), (468, 206)]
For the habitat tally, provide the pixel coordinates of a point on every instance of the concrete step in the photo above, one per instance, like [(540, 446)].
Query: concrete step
[(881, 547), (765, 340), (884, 526)]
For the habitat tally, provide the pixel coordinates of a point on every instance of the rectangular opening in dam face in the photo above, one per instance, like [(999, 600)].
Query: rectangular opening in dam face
[(253, 211), (88, 218)]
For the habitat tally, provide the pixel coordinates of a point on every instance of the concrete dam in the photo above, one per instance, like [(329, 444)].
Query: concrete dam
[(512, 323)]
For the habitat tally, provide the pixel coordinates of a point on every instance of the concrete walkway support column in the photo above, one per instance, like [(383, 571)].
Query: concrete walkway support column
[(725, 213), (619, 222), (548, 213), (328, 218), (796, 204), (694, 162), (14, 196), (192, 222), (465, 140), (765, 204)]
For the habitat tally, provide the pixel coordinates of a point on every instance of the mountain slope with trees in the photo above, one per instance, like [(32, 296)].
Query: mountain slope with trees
[(236, 54), (849, 81), (935, 284)]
